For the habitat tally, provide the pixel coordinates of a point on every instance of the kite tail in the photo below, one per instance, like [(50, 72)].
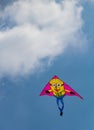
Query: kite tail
[(60, 105)]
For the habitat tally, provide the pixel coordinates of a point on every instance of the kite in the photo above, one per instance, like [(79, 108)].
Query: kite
[(59, 89)]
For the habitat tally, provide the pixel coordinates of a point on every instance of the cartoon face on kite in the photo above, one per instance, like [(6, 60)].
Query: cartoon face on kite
[(57, 87)]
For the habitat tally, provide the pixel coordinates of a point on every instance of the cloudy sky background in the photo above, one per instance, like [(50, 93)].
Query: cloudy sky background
[(39, 39), (33, 31)]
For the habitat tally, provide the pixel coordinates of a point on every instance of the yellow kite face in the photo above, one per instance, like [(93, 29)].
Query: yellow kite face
[(57, 87), (56, 83)]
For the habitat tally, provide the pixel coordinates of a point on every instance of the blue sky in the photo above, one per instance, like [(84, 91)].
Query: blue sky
[(40, 39)]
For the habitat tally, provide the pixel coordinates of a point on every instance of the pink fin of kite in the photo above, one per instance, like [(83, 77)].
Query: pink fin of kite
[(72, 92), (46, 88)]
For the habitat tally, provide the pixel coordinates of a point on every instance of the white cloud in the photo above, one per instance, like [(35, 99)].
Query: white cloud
[(37, 29)]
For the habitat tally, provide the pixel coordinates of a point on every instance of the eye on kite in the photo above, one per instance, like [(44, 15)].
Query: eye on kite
[(59, 89)]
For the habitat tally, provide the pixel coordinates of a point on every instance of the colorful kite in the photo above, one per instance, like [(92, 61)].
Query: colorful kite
[(59, 89)]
